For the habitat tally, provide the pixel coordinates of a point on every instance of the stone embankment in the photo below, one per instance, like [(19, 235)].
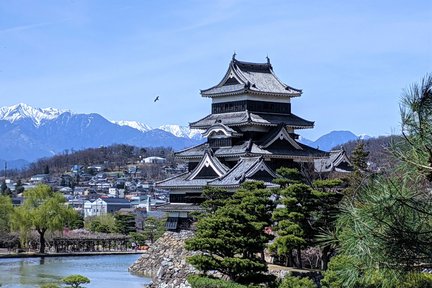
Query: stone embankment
[(165, 261)]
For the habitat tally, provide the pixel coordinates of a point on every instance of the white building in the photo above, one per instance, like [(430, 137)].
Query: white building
[(154, 160), (103, 206)]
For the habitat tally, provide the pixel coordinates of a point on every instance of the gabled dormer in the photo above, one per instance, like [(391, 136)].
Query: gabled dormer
[(220, 130), (247, 168), (281, 138), (219, 135), (209, 168)]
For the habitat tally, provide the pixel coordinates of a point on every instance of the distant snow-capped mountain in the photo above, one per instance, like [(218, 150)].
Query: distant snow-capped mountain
[(23, 111), (176, 130), (182, 131), (30, 133), (134, 124)]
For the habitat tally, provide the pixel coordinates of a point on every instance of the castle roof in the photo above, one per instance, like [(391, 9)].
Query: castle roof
[(247, 168), (337, 161), (246, 77), (244, 118), (277, 144)]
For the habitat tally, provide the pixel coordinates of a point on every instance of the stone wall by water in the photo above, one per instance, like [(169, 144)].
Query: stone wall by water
[(165, 261)]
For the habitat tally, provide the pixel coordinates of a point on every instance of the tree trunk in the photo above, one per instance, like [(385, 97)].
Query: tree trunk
[(325, 257), (41, 240), (299, 259), (291, 259)]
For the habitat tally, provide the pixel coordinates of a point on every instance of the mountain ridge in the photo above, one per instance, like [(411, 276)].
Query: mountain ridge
[(333, 139), (30, 133)]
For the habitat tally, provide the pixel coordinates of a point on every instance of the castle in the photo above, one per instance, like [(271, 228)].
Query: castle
[(250, 133)]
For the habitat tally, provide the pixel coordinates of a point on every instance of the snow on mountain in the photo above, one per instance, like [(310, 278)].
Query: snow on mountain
[(182, 131), (134, 124), (31, 133), (23, 111), (364, 137)]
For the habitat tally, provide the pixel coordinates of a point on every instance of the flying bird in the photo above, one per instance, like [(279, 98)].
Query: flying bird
[(156, 99)]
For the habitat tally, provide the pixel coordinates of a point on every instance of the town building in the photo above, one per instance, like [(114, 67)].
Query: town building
[(102, 206), (250, 134)]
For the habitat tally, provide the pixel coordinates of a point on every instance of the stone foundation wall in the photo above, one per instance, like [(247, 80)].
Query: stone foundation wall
[(165, 261)]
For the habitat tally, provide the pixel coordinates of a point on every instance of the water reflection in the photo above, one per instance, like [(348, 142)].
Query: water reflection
[(103, 271)]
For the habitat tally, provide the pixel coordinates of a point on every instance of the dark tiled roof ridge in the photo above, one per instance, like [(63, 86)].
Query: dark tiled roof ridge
[(246, 118), (263, 65), (267, 68), (251, 79), (239, 163), (190, 148), (171, 178)]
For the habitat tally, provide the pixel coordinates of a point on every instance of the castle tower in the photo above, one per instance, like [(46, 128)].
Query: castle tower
[(250, 133)]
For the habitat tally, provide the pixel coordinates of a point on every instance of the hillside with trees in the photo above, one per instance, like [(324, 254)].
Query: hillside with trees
[(379, 149), (113, 158)]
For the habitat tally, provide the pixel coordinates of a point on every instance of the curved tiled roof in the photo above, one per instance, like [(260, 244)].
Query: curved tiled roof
[(247, 118), (248, 147), (251, 77), (245, 168)]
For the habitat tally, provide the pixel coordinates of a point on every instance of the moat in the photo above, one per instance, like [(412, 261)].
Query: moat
[(103, 271)]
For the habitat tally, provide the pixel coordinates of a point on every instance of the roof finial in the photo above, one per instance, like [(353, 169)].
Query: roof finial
[(233, 58), (268, 59)]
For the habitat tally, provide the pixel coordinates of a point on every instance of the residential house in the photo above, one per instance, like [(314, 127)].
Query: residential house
[(103, 206), (39, 178), (154, 160)]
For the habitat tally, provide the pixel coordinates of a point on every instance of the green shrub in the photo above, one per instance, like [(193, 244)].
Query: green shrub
[(75, 280), (418, 280), (197, 281), (296, 282)]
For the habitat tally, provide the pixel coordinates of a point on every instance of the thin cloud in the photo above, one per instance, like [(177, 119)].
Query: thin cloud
[(30, 26)]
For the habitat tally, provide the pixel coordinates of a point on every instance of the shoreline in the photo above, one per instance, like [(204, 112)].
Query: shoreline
[(70, 254)]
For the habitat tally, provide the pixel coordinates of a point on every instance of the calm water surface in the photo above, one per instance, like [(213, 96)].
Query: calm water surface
[(103, 271)]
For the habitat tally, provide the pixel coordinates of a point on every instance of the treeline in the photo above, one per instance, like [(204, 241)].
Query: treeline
[(112, 157), (379, 149), (43, 214)]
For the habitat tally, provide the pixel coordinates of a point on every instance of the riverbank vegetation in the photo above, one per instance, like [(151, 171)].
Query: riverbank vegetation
[(44, 218), (366, 230)]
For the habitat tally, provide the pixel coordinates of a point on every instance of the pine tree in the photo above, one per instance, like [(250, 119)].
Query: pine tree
[(327, 210), (359, 157), (288, 176), (214, 198), (232, 236), (153, 228), (292, 222), (125, 223), (385, 235), (358, 178)]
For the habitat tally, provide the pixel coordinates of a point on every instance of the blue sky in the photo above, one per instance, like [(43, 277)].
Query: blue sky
[(351, 58)]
